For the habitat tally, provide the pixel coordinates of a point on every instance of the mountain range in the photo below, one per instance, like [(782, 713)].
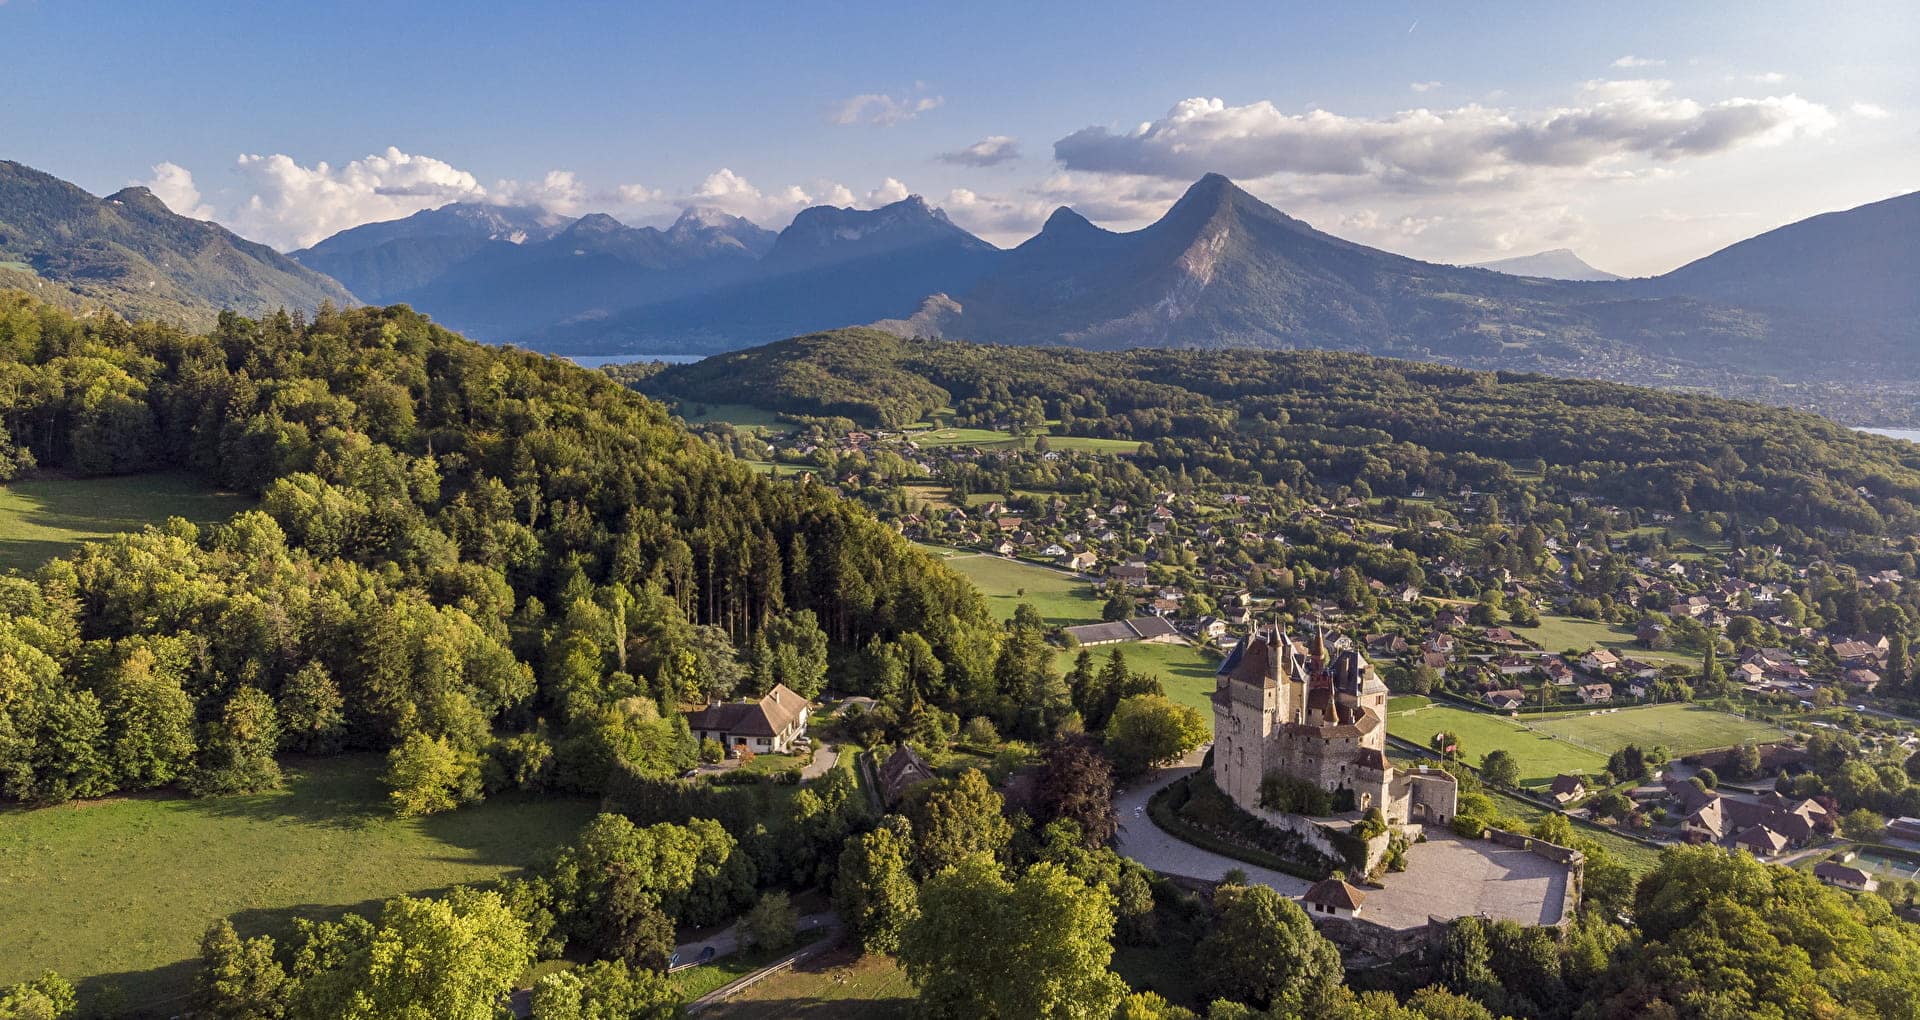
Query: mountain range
[(130, 254), (1557, 264), (1830, 298), (506, 273)]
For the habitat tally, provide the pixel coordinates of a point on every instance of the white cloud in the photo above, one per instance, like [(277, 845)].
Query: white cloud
[(1113, 201), (559, 191), (1870, 111), (889, 192), (989, 151), (1427, 86), (293, 205), (774, 208), (173, 184), (1632, 61), (1422, 149), (1767, 78), (883, 110)]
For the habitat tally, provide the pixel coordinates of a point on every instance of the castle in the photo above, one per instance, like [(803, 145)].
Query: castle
[(1279, 707)]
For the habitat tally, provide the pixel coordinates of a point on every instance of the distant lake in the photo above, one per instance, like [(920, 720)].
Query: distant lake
[(600, 360), (1910, 435)]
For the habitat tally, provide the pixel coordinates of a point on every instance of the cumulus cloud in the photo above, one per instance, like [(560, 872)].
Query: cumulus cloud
[(883, 110), (1631, 61), (992, 150), (294, 205), (289, 205), (1426, 86), (1867, 111), (173, 184), (1115, 202), (1426, 149)]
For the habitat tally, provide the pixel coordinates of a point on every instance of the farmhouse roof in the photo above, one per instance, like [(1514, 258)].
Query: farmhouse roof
[(770, 716)]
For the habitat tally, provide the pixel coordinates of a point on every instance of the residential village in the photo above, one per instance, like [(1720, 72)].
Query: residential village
[(1467, 599)]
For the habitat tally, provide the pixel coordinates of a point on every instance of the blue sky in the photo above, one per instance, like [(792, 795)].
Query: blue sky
[(1639, 135)]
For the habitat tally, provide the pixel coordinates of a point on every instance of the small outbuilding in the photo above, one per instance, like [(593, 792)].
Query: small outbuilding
[(1331, 897)]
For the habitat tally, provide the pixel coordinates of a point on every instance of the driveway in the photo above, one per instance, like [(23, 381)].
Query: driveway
[(824, 759), (1147, 843)]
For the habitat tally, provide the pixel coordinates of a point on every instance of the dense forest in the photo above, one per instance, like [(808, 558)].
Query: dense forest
[(1299, 419), (513, 570)]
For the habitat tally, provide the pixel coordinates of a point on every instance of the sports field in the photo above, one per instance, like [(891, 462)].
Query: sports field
[(116, 893), (47, 517), (1059, 596), (1541, 756), (1681, 729)]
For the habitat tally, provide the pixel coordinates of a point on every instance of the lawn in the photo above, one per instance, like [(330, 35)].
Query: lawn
[(1681, 729), (1185, 670), (116, 893), (1061, 598), (839, 984), (1560, 633), (1541, 757), (47, 517)]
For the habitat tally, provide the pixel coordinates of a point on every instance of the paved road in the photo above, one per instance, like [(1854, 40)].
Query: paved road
[(1145, 842), (727, 941)]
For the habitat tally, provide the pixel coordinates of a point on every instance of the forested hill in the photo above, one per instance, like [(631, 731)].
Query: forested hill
[(1276, 416), (130, 254), (476, 550)]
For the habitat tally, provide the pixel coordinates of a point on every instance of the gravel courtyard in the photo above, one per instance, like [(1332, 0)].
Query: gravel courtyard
[(1446, 876)]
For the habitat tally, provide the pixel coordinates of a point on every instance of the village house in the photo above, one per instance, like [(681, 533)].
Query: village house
[(1082, 561), (1600, 660), (1566, 788), (1507, 701), (1596, 694), (1152, 629), (903, 770), (767, 726), (1844, 877)]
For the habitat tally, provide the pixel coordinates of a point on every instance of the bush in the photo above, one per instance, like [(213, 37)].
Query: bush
[(1468, 826), (1293, 795), (771, 925)]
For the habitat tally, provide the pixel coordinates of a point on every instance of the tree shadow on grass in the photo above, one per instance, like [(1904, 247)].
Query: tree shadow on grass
[(167, 991), (337, 793)]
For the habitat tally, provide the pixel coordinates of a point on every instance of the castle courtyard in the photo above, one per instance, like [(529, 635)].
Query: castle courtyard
[(1446, 876)]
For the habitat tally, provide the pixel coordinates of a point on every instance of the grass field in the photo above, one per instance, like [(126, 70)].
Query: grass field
[(117, 893), (740, 416), (991, 439), (708, 977), (1185, 670), (1681, 729), (47, 517), (1059, 596), (839, 984), (1559, 633), (1541, 757)]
